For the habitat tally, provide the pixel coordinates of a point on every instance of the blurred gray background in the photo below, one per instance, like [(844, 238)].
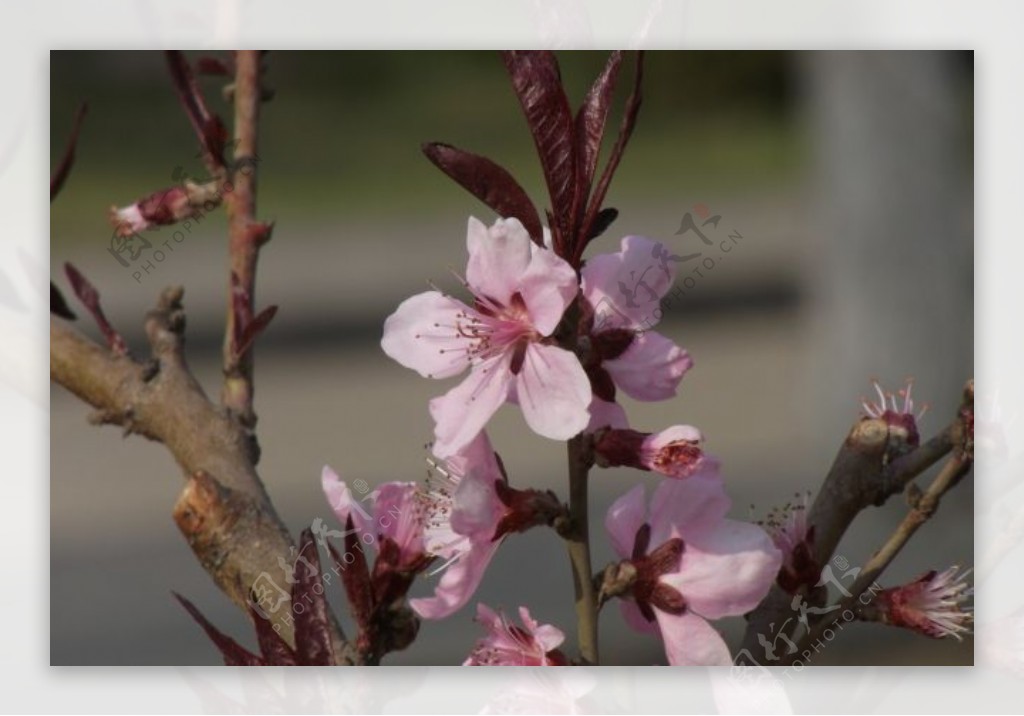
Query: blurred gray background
[(848, 176)]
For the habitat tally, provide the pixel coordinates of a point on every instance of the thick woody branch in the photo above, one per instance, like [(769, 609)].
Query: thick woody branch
[(224, 511), (862, 475)]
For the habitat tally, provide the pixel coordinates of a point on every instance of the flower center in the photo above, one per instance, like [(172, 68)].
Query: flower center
[(435, 505), (492, 329), (677, 458), (649, 591)]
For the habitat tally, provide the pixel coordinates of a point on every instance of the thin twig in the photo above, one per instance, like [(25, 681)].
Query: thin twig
[(859, 478), (952, 472), (246, 235), (578, 540)]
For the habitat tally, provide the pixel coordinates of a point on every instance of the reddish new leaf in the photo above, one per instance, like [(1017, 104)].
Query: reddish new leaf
[(487, 181), (233, 653), (602, 221), (356, 577), (309, 605), (274, 649), (208, 127), (625, 131), (67, 161), (207, 65), (590, 124), (90, 298), (538, 85)]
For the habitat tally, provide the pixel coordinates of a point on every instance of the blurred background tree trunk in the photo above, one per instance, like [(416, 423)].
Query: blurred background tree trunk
[(891, 271)]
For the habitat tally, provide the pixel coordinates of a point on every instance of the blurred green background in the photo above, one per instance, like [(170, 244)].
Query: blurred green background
[(710, 120), (848, 174)]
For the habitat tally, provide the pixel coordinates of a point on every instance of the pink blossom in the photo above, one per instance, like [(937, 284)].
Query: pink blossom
[(507, 644), (390, 517), (520, 292), (934, 604), (128, 220), (624, 290), (692, 565), (791, 533), (461, 512)]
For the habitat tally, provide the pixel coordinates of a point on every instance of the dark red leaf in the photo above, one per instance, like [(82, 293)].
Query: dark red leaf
[(90, 298), (487, 181), (68, 160), (275, 650), (538, 85), (625, 131), (355, 577), (233, 653), (213, 66), (58, 306), (602, 221), (590, 124), (309, 604), (208, 127)]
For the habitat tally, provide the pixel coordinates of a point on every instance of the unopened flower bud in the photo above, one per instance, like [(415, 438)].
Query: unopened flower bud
[(901, 419), (674, 452)]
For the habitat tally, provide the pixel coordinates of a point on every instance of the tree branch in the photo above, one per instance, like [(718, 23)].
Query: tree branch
[(246, 235), (922, 510), (224, 511), (578, 540), (860, 476)]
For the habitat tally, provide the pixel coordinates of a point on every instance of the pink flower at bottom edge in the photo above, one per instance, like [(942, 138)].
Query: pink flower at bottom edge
[(389, 515), (507, 644), (693, 565), (461, 513)]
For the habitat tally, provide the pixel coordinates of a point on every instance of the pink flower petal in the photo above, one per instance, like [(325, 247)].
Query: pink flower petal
[(476, 508), (458, 583), (399, 516), (548, 637), (462, 412), (498, 257), (625, 517), (344, 503), (553, 391), (606, 415), (676, 433), (476, 454), (691, 641), (636, 620), (728, 571), (687, 508), (421, 335), (627, 286), (548, 287), (651, 368)]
